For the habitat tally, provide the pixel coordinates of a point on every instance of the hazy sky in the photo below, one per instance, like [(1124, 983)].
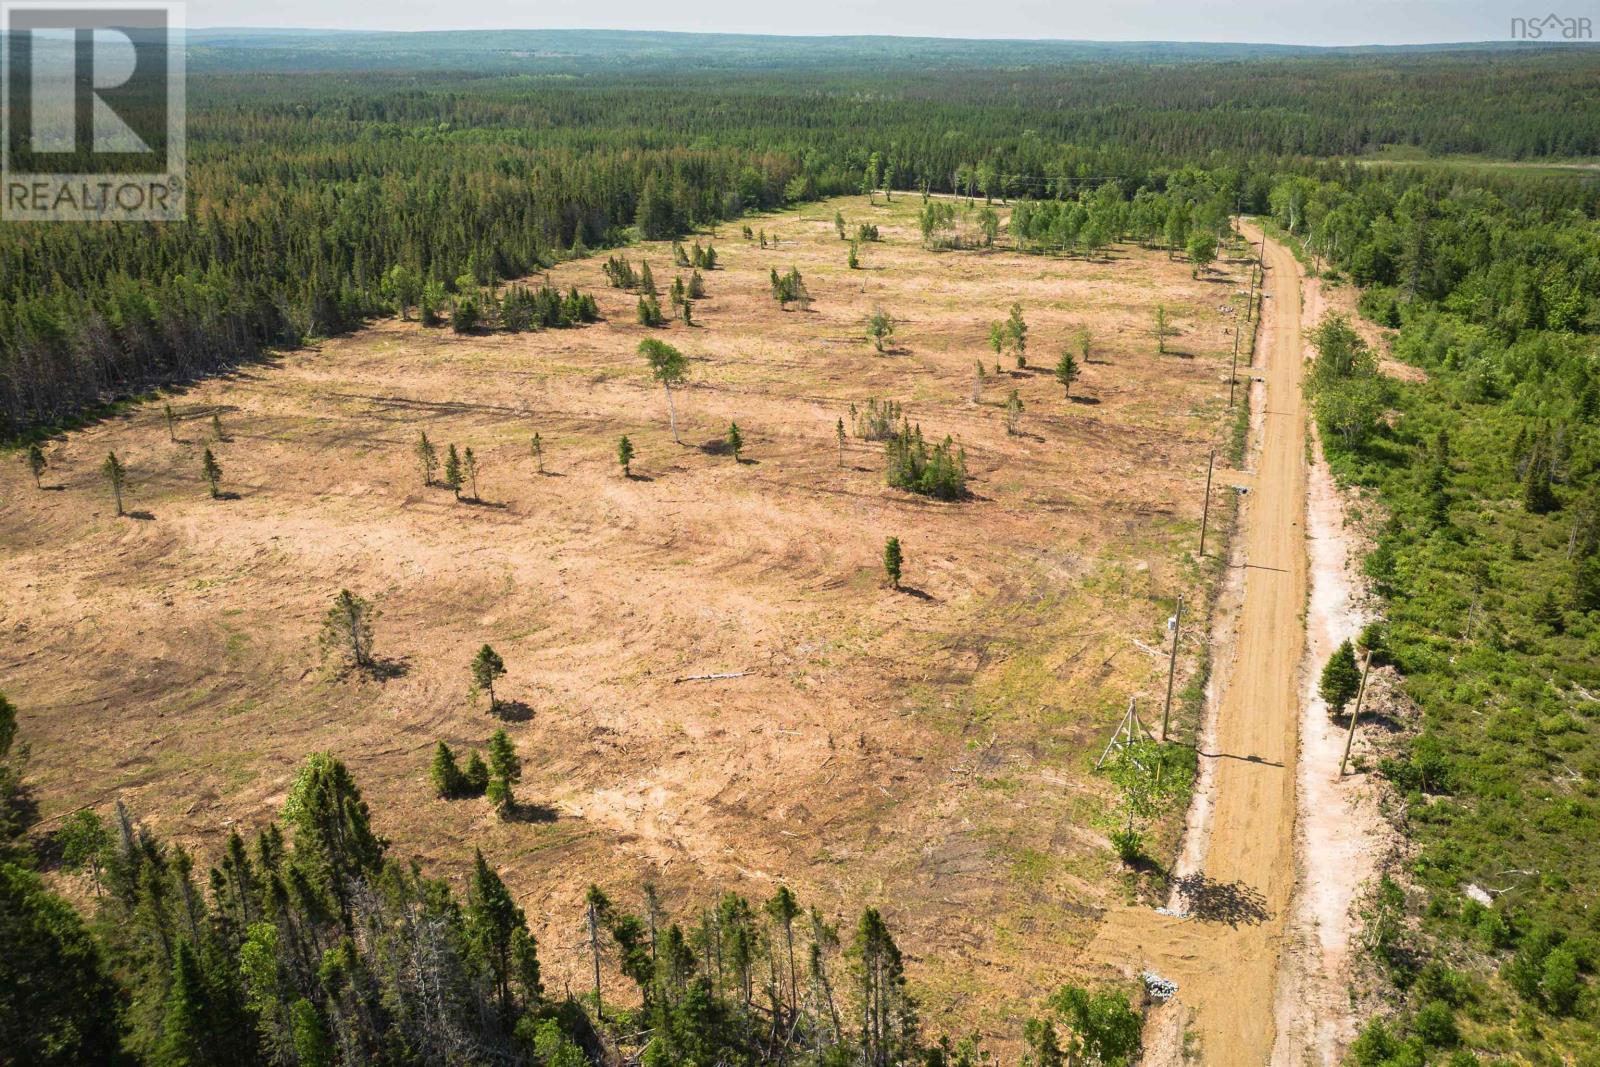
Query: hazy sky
[(1327, 22)]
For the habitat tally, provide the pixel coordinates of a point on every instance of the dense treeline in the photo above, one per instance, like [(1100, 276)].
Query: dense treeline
[(307, 191), (312, 947), (1489, 566)]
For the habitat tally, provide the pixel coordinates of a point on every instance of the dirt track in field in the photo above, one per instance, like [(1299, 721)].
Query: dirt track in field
[(928, 751), (1225, 953)]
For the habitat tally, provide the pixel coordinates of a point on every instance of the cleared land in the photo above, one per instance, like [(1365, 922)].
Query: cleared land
[(926, 750)]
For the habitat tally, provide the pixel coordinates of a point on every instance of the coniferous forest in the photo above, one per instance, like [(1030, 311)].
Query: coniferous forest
[(329, 189)]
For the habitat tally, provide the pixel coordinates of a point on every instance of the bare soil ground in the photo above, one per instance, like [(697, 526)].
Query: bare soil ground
[(925, 750)]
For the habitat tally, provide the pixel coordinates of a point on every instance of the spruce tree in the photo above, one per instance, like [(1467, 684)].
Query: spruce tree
[(469, 467), (486, 667), (36, 463), (171, 420), (888, 1014), (538, 452), (625, 456), (735, 440), (505, 770), (838, 224), (452, 471), (697, 287), (892, 561), (212, 471), (1161, 329), (117, 475), (348, 625), (1341, 677), (851, 258), (216, 427), (475, 779), (427, 458), (1066, 371), (497, 931), (838, 433), (1547, 613), (1537, 496), (445, 774)]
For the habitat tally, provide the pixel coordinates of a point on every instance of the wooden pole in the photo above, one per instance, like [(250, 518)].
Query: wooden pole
[(1233, 371), (1205, 512), (1172, 667), (1361, 693)]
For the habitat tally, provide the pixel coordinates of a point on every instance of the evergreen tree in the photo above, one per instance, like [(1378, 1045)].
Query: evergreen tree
[(212, 471), (348, 625), (36, 463), (888, 1014), (427, 458), (851, 259), (838, 224), (171, 420), (649, 312), (597, 911), (498, 932), (1538, 498), (1066, 371), (1162, 332), (117, 475), (892, 561), (312, 1045), (59, 1006), (625, 456), (1341, 677), (475, 779), (469, 467), (537, 447), (216, 427), (735, 440), (452, 471), (445, 774), (838, 433), (486, 667), (505, 770), (697, 287), (1548, 613)]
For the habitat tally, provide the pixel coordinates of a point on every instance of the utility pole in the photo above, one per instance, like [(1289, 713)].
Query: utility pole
[(1205, 512), (1233, 372), (1361, 693), (1172, 667)]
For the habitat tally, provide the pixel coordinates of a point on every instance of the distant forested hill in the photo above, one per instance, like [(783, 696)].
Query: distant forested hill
[(320, 162)]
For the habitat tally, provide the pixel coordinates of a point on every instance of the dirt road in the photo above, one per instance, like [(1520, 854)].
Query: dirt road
[(1225, 954)]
